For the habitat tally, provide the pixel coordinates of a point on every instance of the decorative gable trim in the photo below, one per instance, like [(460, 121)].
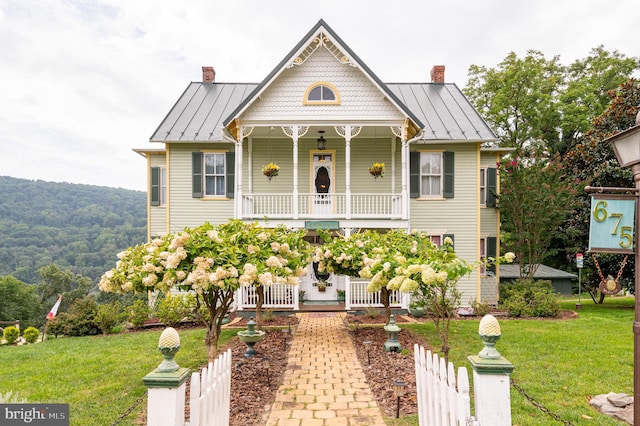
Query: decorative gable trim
[(322, 40), (299, 52)]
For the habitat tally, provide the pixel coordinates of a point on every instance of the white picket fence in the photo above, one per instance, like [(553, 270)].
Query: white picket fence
[(210, 393), (443, 400)]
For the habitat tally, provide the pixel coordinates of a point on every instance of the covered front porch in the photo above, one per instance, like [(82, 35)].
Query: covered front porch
[(290, 297)]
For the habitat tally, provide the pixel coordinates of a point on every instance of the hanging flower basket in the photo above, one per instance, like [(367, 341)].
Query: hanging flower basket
[(377, 170), (270, 170)]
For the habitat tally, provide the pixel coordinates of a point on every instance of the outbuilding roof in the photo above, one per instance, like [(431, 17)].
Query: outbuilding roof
[(543, 272)]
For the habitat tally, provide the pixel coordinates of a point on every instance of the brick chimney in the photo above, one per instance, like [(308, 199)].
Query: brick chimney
[(437, 74), (208, 75)]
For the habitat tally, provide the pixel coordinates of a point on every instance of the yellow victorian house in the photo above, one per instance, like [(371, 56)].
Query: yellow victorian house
[(322, 143)]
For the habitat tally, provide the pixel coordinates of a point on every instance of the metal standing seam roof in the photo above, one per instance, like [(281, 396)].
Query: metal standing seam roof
[(543, 272), (444, 111), (200, 112), (440, 109)]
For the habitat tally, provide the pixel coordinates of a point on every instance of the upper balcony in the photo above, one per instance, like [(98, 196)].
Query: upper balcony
[(322, 206)]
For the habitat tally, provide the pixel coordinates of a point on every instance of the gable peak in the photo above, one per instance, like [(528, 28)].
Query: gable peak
[(321, 38)]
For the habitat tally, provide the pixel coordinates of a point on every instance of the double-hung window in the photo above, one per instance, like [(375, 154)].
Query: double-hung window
[(214, 174), (158, 188), (488, 186), (431, 174)]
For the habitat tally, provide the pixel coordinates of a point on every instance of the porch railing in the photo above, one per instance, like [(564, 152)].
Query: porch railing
[(357, 296), (275, 296), (286, 296), (361, 205)]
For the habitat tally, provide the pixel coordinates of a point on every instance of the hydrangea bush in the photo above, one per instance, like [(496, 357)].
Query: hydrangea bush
[(409, 262), (213, 261)]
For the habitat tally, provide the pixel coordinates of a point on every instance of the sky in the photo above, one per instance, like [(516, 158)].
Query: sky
[(84, 82)]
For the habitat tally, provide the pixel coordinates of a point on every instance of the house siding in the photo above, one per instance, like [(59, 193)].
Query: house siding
[(488, 215), (364, 152), (185, 211), (458, 215), (157, 214), (360, 99)]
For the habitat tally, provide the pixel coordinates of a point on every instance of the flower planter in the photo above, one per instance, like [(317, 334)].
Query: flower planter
[(377, 170), (270, 170)]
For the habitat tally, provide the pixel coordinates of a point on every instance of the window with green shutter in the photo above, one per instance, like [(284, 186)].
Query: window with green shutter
[(492, 252), (154, 190), (196, 171), (431, 174), (492, 187), (158, 186), (213, 174)]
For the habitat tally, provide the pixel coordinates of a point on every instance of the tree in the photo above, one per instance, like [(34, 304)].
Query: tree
[(213, 261), (519, 99), (397, 260), (18, 301), (593, 163), (55, 281), (586, 93), (535, 200), (536, 104)]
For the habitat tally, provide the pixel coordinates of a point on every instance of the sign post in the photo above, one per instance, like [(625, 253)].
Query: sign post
[(580, 264)]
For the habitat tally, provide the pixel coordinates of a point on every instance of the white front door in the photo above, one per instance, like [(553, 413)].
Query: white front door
[(322, 181), (313, 291)]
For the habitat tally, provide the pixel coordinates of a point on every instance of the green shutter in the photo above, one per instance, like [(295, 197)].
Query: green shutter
[(448, 160), (155, 186), (492, 186), (492, 246), (196, 170), (231, 171), (414, 174), (453, 240)]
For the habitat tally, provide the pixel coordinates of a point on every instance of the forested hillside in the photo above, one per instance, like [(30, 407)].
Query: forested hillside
[(77, 227)]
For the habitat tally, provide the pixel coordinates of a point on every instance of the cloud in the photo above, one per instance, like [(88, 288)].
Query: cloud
[(85, 81)]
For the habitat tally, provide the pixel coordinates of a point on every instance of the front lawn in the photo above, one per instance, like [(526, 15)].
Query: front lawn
[(561, 364), (100, 377)]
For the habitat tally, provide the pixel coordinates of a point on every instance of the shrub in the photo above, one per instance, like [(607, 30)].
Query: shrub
[(138, 313), (31, 334), (173, 309), (11, 334), (108, 316), (79, 321), (268, 315), (480, 308), (372, 312), (529, 298)]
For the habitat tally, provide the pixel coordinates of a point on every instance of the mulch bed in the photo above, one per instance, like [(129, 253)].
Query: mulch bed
[(252, 396)]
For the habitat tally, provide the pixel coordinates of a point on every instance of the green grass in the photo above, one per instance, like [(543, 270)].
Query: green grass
[(99, 377), (560, 364)]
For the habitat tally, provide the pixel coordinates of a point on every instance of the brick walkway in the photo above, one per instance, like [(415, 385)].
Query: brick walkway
[(324, 383)]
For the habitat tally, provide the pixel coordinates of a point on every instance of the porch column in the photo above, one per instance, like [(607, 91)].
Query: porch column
[(295, 172), (393, 165), (347, 161), (347, 281), (238, 177), (405, 174)]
